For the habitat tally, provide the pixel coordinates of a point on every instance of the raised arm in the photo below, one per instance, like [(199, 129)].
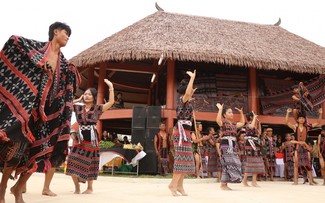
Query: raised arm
[(320, 111), (189, 90), (259, 128), (253, 123), (219, 115), (290, 125), (79, 99), (241, 123), (110, 103)]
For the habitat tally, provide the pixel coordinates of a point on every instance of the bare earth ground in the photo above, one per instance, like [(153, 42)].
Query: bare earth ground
[(154, 190)]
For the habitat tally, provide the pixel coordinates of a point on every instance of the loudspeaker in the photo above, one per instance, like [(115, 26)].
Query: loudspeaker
[(150, 136), (138, 135), (139, 117), (153, 116), (148, 165)]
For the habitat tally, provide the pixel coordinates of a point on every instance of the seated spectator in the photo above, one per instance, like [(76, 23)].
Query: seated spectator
[(126, 140), (115, 140), (105, 136)]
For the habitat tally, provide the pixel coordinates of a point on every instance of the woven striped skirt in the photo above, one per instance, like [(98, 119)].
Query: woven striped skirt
[(231, 165), (83, 161), (253, 159), (13, 153), (183, 159), (304, 163), (212, 160)]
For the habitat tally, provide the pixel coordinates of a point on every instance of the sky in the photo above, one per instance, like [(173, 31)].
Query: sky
[(94, 20)]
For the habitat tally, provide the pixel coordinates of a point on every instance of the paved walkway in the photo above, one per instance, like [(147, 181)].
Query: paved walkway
[(154, 190)]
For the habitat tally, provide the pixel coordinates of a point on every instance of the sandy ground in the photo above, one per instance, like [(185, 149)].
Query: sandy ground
[(154, 190)]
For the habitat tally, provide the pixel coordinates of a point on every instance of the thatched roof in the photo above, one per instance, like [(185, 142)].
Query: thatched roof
[(195, 38)]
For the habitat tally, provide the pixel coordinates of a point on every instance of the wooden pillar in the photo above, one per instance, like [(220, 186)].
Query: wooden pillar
[(170, 90), (101, 92), (149, 96), (252, 92), (157, 90), (90, 79)]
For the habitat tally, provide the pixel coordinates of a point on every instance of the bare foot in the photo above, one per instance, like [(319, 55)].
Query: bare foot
[(255, 185), (295, 183), (48, 193), (245, 184), (182, 191), (13, 188), (77, 189), (18, 195), (173, 190), (225, 187), (88, 191)]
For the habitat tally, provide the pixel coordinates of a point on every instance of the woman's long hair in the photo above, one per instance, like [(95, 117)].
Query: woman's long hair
[(93, 92)]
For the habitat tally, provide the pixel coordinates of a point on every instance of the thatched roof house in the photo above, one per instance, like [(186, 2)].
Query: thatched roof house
[(203, 39)]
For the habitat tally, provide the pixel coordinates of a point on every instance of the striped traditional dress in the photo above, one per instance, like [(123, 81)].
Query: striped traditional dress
[(212, 156), (304, 161), (270, 153), (253, 156), (83, 160), (230, 162), (219, 167), (183, 159), (288, 158)]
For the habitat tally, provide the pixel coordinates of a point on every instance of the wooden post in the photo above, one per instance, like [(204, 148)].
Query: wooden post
[(90, 79), (149, 96), (252, 92), (170, 90), (101, 92)]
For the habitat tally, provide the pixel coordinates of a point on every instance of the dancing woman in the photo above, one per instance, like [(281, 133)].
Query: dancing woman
[(254, 163), (83, 160), (231, 165), (183, 160)]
